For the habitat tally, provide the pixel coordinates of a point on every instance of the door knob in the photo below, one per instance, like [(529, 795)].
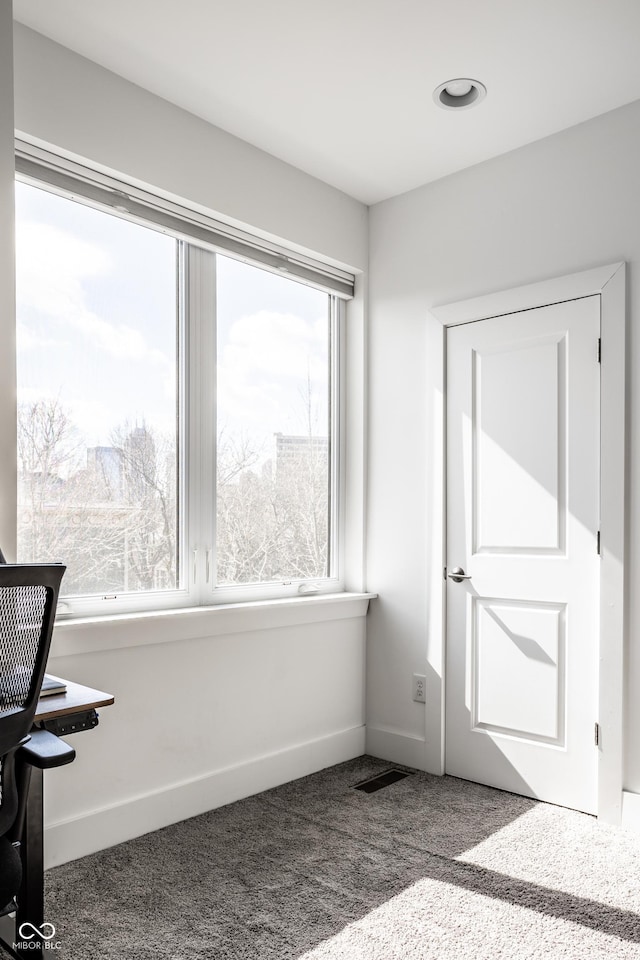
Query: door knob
[(458, 575)]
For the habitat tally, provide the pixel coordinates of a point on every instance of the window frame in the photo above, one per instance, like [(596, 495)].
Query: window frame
[(197, 405)]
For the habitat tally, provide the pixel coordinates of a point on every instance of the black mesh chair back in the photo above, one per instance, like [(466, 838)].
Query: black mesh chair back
[(28, 600)]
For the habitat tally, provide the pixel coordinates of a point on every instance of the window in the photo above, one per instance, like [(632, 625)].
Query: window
[(177, 406), (273, 427), (98, 443)]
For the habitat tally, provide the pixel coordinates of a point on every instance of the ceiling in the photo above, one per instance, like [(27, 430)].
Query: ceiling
[(342, 89)]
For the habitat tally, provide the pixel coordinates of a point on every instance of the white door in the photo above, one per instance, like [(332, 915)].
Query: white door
[(523, 422)]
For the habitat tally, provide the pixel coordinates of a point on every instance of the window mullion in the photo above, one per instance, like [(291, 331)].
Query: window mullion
[(200, 281), (337, 434)]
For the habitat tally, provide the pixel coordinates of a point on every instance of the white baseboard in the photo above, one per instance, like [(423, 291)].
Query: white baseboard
[(69, 839), (397, 747), (631, 811)]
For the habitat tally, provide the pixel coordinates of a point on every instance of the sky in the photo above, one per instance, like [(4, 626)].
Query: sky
[(96, 328)]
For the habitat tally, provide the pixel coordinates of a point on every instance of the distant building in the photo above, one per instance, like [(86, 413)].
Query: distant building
[(291, 450), (105, 463)]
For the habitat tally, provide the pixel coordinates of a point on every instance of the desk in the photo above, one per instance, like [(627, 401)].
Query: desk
[(62, 713)]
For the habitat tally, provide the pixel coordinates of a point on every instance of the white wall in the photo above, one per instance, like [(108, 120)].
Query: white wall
[(224, 710), (205, 719), (561, 205), (85, 111), (8, 465)]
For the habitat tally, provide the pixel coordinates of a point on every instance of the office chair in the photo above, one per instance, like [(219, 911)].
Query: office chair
[(28, 600)]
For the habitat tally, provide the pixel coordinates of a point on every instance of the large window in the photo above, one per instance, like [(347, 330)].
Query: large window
[(177, 413)]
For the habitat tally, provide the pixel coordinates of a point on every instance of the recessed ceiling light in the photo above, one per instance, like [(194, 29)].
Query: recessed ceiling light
[(459, 93)]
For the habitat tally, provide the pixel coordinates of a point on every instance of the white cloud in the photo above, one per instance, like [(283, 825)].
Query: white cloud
[(52, 266), (28, 339), (263, 369), (276, 345)]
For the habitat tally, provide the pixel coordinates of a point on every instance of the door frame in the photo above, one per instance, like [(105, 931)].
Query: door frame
[(609, 283)]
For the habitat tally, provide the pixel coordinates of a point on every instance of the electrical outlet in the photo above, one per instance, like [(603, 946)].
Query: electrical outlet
[(419, 688)]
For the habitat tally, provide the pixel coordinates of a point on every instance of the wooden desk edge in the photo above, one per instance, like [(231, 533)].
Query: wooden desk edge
[(77, 699)]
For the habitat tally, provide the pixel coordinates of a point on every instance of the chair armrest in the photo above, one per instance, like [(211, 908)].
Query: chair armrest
[(44, 750)]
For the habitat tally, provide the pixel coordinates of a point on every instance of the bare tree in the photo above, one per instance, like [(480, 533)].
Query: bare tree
[(47, 453), (302, 506), (57, 519), (242, 507), (272, 524), (235, 454), (111, 513), (47, 443), (150, 492)]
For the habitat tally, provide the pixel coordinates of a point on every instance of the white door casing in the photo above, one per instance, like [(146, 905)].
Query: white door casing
[(522, 520), (608, 283)]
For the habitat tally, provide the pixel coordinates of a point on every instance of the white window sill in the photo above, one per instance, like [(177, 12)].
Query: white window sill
[(87, 635)]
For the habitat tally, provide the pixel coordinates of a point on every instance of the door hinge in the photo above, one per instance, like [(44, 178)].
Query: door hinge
[(599, 350), (598, 542), (596, 734)]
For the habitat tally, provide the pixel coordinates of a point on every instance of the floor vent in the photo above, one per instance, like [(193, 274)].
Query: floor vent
[(382, 780)]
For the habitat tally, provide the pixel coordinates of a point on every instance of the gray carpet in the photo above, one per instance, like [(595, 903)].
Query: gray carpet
[(425, 868)]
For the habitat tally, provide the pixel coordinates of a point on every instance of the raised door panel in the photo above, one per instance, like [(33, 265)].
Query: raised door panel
[(519, 469)]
